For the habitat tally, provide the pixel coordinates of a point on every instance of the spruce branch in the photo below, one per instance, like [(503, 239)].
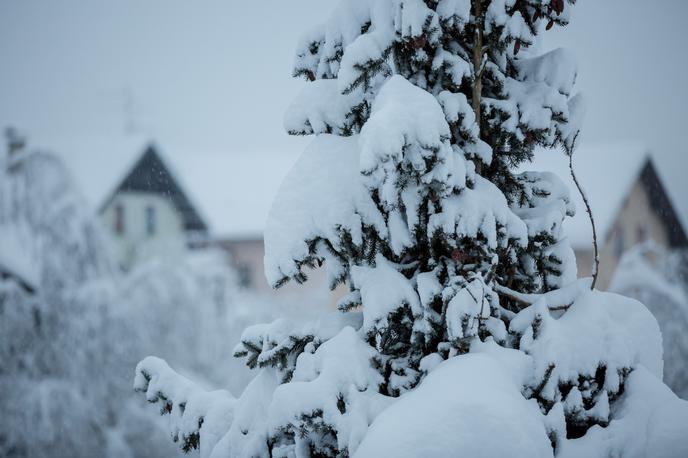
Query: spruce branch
[(596, 266), (530, 299)]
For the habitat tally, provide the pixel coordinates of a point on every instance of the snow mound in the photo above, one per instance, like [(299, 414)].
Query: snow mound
[(469, 405), (650, 421)]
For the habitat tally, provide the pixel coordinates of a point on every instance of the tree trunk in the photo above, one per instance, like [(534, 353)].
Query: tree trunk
[(477, 88)]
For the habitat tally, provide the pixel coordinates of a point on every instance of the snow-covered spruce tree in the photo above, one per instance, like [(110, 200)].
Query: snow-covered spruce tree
[(463, 331)]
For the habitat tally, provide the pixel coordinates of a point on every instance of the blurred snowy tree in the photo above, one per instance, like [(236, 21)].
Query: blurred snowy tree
[(50, 241), (72, 327), (653, 276)]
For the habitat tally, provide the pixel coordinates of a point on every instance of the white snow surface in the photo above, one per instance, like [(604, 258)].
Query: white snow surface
[(407, 126), (480, 210), (379, 302), (469, 405), (473, 403), (322, 194), (598, 328), (319, 108), (649, 422)]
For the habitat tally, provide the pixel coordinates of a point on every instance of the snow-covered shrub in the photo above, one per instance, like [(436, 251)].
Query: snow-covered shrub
[(651, 275), (464, 330)]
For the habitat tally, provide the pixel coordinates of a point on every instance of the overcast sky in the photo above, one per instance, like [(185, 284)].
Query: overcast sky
[(93, 79)]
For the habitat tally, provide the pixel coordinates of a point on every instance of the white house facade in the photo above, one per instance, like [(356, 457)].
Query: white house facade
[(149, 214)]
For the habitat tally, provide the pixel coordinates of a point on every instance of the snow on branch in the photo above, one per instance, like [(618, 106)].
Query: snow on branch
[(196, 415), (559, 299)]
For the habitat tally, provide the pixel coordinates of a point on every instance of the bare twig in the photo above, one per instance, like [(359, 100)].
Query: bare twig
[(596, 266)]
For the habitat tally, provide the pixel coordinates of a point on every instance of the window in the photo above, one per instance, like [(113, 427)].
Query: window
[(244, 273), (119, 219), (150, 220), (641, 233), (619, 243)]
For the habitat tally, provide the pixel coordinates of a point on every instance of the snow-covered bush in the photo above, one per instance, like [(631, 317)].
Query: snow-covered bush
[(464, 331), (651, 275)]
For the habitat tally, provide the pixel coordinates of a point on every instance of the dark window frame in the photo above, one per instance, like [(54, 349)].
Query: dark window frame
[(150, 218), (119, 223)]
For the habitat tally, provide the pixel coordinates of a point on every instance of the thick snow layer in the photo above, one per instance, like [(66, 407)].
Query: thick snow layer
[(383, 290), (479, 210), (549, 203), (556, 68), (328, 170), (275, 336), (454, 10), (649, 422), (469, 405), (474, 403), (189, 407), (339, 369), (320, 108), (468, 304), (402, 114), (406, 128), (599, 328)]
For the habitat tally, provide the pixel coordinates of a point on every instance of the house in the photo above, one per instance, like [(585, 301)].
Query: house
[(630, 204), (149, 211), (645, 212)]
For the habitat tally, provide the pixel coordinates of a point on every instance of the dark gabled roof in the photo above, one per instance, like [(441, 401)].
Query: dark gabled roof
[(150, 174), (661, 204)]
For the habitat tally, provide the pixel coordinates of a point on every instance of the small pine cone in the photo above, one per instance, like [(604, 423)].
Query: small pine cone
[(459, 256)]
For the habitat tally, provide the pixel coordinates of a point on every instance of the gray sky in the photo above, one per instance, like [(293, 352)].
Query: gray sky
[(211, 79)]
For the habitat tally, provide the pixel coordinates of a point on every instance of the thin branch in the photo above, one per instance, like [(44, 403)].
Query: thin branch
[(596, 266)]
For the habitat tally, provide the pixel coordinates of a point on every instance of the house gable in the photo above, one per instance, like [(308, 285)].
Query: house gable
[(661, 204), (645, 212), (151, 175)]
